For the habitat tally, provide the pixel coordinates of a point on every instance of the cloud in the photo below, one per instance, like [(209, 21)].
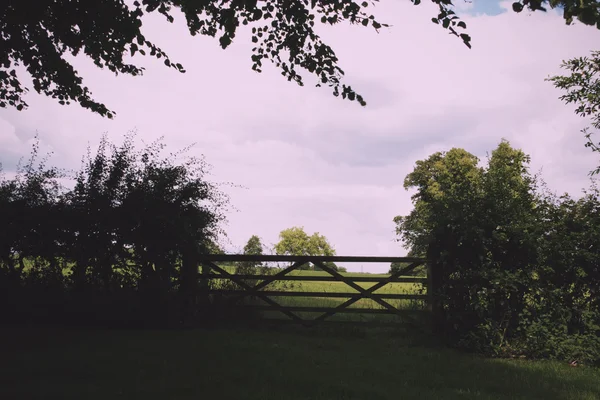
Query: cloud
[(309, 159)]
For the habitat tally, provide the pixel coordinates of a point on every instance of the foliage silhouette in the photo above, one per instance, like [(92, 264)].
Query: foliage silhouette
[(516, 268), (582, 88), (39, 37), (126, 235)]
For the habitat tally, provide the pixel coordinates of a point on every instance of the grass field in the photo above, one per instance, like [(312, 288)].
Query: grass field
[(340, 287), (279, 363), (267, 364)]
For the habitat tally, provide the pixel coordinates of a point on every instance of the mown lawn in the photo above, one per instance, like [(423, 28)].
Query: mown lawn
[(267, 364)]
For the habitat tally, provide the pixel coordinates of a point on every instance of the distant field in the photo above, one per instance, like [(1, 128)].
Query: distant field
[(339, 287)]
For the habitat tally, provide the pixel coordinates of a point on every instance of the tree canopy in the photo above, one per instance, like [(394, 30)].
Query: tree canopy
[(296, 242), (131, 229), (253, 247), (38, 35), (582, 87), (515, 267)]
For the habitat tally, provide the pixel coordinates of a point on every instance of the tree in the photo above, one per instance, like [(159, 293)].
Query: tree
[(582, 88), (128, 233), (38, 35), (294, 241), (478, 229), (516, 268), (253, 248)]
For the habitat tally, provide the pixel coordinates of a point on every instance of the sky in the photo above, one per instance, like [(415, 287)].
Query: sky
[(301, 157)]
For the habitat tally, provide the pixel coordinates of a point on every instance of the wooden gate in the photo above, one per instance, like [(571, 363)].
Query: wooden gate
[(255, 286)]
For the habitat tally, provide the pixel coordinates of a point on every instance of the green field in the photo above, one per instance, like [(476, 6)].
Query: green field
[(339, 287), (267, 364)]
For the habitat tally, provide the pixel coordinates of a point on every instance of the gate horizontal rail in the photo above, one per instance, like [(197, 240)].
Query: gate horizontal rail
[(305, 259), (340, 295), (249, 285), (402, 279), (325, 309)]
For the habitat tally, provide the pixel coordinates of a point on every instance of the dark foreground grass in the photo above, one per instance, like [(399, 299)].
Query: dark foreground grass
[(266, 364)]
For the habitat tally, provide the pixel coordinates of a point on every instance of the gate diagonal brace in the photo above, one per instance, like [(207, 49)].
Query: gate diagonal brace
[(255, 290), (364, 293)]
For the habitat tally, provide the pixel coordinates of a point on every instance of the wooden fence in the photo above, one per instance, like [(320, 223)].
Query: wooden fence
[(256, 286)]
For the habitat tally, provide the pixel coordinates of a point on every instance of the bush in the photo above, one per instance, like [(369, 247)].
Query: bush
[(119, 246), (516, 269)]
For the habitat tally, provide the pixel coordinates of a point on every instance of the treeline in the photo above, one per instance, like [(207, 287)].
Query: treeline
[(118, 246), (517, 267), (293, 241)]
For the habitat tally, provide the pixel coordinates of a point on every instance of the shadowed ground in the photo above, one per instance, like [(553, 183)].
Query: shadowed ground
[(328, 364)]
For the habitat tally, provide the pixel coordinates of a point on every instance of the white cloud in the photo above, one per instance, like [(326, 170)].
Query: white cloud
[(329, 165), (464, 5)]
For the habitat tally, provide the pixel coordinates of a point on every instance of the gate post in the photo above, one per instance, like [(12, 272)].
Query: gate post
[(434, 302), (189, 283)]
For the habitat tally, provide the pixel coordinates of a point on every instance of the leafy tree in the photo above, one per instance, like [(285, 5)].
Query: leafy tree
[(475, 225), (582, 88), (562, 316), (126, 236), (510, 217), (32, 222), (444, 182), (516, 267), (107, 30), (254, 247), (38, 35), (294, 241)]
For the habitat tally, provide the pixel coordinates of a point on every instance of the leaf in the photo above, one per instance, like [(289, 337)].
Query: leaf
[(462, 24), (517, 7), (466, 39), (225, 41)]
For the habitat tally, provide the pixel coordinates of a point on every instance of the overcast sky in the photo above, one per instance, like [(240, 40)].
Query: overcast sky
[(309, 159)]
